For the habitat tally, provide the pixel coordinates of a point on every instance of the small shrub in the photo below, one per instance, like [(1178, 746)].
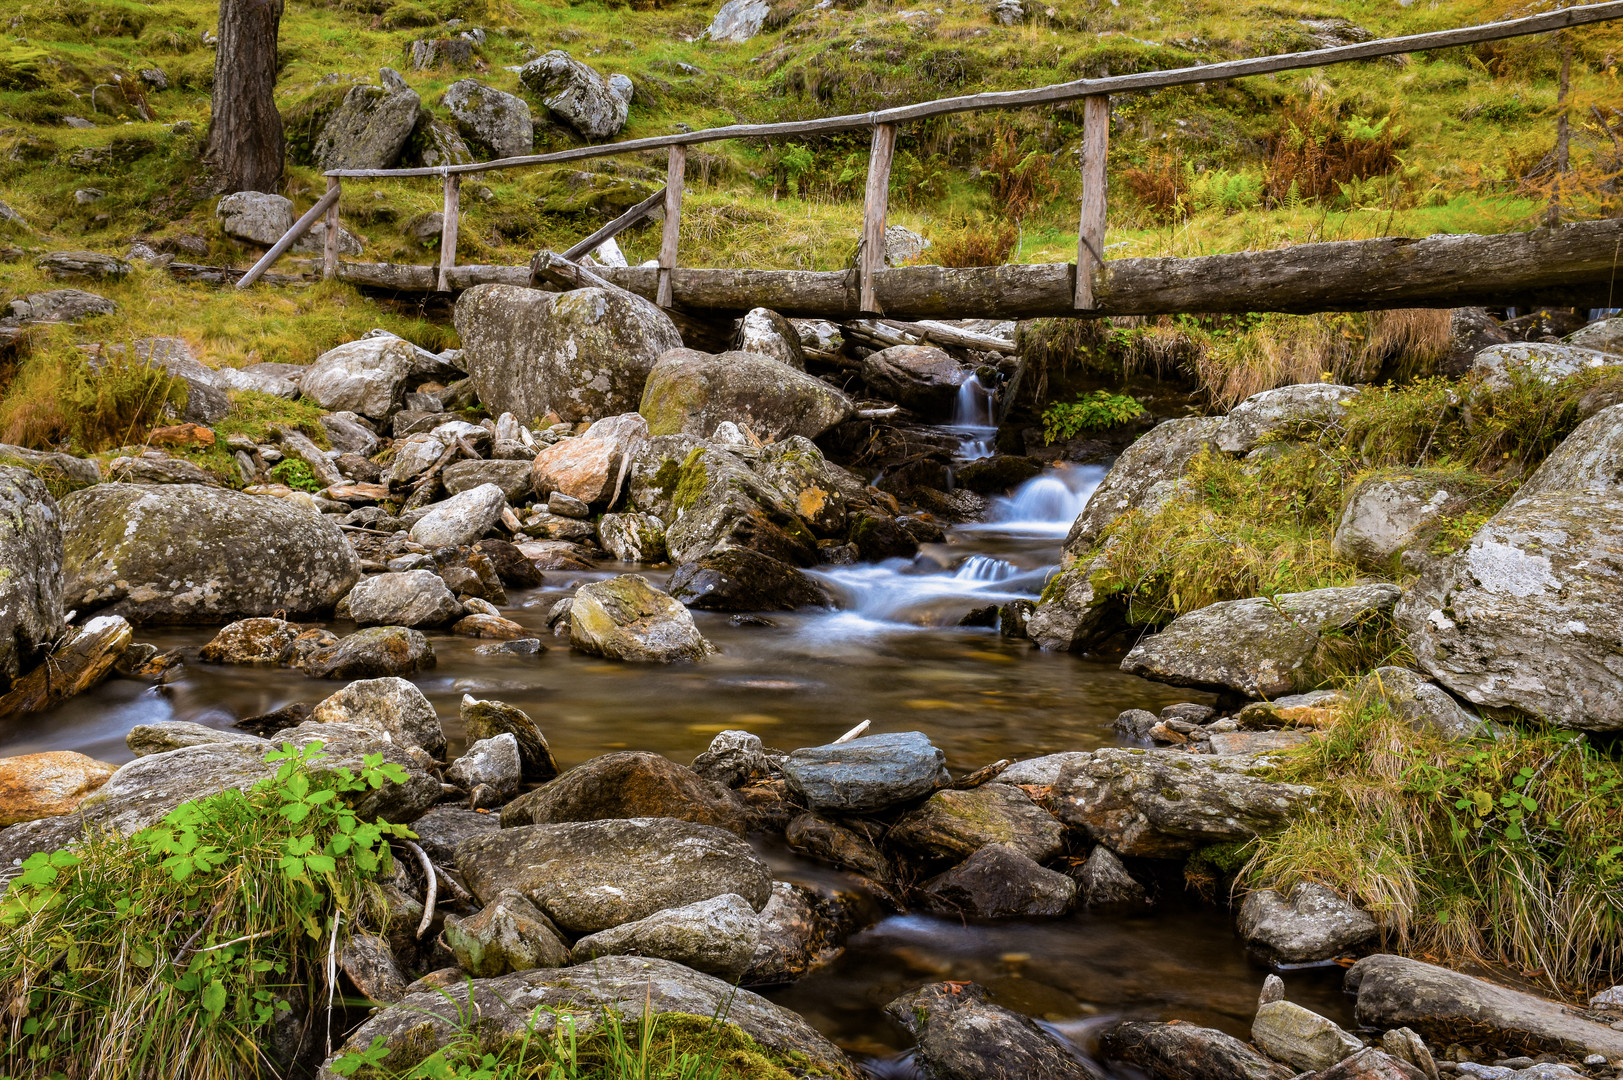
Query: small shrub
[(1159, 185), (974, 241), (1020, 173), (1091, 412), (1313, 153), (295, 474), (116, 403)]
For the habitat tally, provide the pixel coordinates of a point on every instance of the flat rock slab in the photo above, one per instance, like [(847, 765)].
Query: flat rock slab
[(427, 1020), (592, 875), (1445, 1006), (874, 772), (955, 824)]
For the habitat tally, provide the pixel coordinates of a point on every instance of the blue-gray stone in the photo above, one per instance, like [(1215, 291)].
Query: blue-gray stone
[(866, 774)]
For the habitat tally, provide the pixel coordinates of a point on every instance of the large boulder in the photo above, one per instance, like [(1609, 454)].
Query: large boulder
[(1141, 477), (1072, 614), (390, 704), (1499, 365), (1470, 330), (369, 127), (1182, 1051), (921, 377), (638, 538), (629, 784), (1260, 647), (1526, 616), (625, 618), (953, 825), (1603, 335), (1313, 924), (406, 598), (998, 882), (30, 572), (961, 1035), (490, 119), (186, 553), (718, 936), (1275, 410), (872, 773), (255, 216), (367, 376), (34, 786), (582, 354), (591, 466), (691, 392), (60, 472), (818, 491), (461, 519), (591, 875), (742, 580), (1385, 514), (529, 1006), (1163, 804), (58, 306), (738, 21), (576, 94), (1445, 1006)]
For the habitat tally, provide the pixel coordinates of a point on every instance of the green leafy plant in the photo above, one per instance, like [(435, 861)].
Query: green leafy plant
[(172, 952), (1091, 412), (295, 474)]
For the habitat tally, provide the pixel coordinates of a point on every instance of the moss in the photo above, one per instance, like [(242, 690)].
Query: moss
[(692, 480)]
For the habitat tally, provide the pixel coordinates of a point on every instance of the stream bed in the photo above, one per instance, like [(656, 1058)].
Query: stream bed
[(893, 654)]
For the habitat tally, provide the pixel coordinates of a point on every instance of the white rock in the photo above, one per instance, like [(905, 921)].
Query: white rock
[(461, 519)]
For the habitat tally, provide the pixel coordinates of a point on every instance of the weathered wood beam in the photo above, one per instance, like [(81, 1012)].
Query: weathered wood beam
[(1090, 241), (875, 208), (329, 249), (615, 227), (452, 211), (675, 176), (289, 238)]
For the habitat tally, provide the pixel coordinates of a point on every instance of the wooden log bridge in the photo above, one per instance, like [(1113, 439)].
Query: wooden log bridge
[(1575, 265), (1029, 289)]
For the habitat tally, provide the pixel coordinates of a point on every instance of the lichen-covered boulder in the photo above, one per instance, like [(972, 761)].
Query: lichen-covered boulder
[(1141, 477), (583, 354), (186, 553), (1274, 410), (165, 735), (953, 825), (1259, 647), (591, 875), (1386, 514), (1421, 703), (406, 598), (374, 653), (30, 571), (521, 1008), (508, 934), (1300, 1037), (742, 580), (628, 784), (369, 127), (60, 472), (255, 216), (1161, 804), (34, 786), (633, 537), (490, 119), (461, 519), (1604, 335), (818, 491), (1498, 365), (389, 704), (1314, 923), (488, 719), (921, 377), (367, 376), (764, 331), (738, 21), (717, 936), (625, 618), (576, 94), (690, 392), (1072, 615)]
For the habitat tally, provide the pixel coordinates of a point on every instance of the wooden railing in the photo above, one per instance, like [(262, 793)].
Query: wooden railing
[(1093, 93)]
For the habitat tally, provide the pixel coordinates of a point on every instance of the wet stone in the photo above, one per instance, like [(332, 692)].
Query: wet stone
[(997, 882), (867, 774)]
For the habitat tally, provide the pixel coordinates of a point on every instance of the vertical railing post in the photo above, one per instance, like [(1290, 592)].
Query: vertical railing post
[(871, 258), (453, 190), (675, 173), (1090, 245), (329, 250)]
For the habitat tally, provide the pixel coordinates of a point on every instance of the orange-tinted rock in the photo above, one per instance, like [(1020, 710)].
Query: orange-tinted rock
[(587, 466), (34, 786), (489, 626), (182, 435)]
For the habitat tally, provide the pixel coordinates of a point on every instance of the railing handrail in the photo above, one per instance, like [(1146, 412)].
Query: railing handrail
[(1057, 93)]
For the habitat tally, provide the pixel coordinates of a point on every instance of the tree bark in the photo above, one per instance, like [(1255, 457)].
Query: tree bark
[(245, 143)]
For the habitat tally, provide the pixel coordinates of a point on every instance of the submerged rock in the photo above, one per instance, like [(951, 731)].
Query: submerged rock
[(717, 936), (961, 1035), (625, 618), (183, 553), (34, 786), (628, 784), (527, 1006), (872, 773), (691, 392), (998, 882)]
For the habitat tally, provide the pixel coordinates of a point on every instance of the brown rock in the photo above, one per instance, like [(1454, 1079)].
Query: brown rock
[(513, 567), (953, 825), (35, 786), (588, 466), (181, 435), (823, 840), (631, 784), (80, 661), (251, 641), (489, 626)]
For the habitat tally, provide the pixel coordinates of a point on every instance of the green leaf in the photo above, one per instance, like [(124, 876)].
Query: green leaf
[(321, 864), (214, 998)]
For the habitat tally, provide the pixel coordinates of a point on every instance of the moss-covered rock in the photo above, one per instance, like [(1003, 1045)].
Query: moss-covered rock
[(690, 392), (625, 618)]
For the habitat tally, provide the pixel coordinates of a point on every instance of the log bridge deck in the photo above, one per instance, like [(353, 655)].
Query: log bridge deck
[(1571, 265)]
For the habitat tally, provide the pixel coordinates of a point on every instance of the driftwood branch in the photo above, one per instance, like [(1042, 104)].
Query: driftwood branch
[(617, 226)]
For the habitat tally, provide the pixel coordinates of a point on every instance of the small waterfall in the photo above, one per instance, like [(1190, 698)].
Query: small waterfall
[(1045, 505), (985, 568), (972, 416)]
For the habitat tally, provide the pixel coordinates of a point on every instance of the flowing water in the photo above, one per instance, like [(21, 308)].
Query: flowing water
[(891, 653)]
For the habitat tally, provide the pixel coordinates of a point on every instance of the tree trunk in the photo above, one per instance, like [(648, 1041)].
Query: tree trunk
[(245, 143)]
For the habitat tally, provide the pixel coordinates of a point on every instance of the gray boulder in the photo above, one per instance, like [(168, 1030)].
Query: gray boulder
[(389, 704), (314, 242), (1072, 615), (185, 553), (1499, 365), (348, 435), (369, 127), (518, 1009), (1588, 460), (1103, 880), (1258, 647), (961, 1035), (1386, 514), (576, 94), (82, 264), (872, 773), (953, 825), (255, 216), (1314, 924), (1301, 1038), (508, 934), (742, 580), (207, 401), (717, 936), (997, 882), (156, 467), (408, 598), (166, 735), (58, 306), (1470, 330), (691, 392), (30, 572), (921, 377), (767, 333), (1183, 1051), (1603, 335), (738, 20), (1423, 704), (633, 537), (1043, 771), (1272, 410), (583, 354), (491, 119), (374, 653), (903, 245), (592, 875), (488, 719), (625, 618), (818, 491), (491, 764), (513, 477), (1445, 1006), (1141, 477), (461, 519), (367, 376), (1164, 804), (443, 828), (628, 784)]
